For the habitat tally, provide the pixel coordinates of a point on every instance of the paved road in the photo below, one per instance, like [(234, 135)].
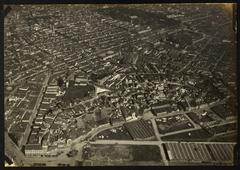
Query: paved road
[(37, 105), (195, 19), (133, 142), (205, 46), (155, 128), (157, 134), (124, 142), (218, 60), (13, 152), (95, 131), (192, 122), (181, 131), (159, 143), (10, 148), (79, 143)]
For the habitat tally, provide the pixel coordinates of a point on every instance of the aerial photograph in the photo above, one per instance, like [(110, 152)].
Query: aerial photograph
[(120, 85)]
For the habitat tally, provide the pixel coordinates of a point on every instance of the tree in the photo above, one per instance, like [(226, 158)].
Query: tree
[(123, 111), (60, 82), (110, 121)]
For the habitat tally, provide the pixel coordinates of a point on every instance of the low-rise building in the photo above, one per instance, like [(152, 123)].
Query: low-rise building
[(34, 150), (81, 81)]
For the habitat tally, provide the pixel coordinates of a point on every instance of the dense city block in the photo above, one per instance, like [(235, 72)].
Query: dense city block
[(98, 85)]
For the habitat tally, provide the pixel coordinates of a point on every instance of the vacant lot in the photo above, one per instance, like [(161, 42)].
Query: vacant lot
[(173, 123), (123, 154), (118, 133)]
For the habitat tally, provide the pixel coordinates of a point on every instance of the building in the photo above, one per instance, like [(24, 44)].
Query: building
[(34, 150), (161, 107), (81, 81), (52, 90)]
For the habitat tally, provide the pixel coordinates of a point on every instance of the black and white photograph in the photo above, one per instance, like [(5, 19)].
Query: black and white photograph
[(120, 85)]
